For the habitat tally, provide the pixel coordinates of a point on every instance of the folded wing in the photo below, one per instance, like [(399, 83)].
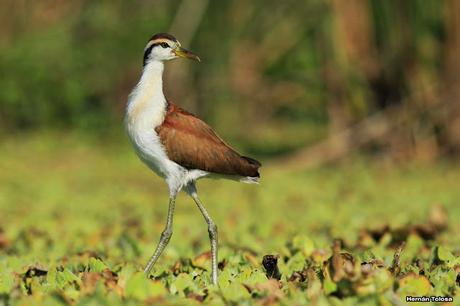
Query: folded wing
[(191, 143)]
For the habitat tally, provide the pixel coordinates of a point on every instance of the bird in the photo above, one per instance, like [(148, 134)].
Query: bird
[(177, 145)]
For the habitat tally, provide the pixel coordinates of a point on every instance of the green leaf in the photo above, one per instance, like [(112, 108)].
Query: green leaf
[(445, 256), (96, 265), (383, 280), (304, 244), (443, 279), (183, 282), (140, 287), (66, 277), (329, 286), (413, 284), (255, 276), (412, 248), (295, 263), (6, 282), (225, 278), (235, 291)]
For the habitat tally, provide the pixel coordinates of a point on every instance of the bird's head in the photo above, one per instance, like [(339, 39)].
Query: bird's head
[(164, 47)]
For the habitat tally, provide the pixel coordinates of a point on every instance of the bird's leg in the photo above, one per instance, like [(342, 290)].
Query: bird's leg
[(164, 238), (212, 230)]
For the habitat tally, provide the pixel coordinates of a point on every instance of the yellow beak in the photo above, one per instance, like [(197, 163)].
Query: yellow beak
[(181, 52)]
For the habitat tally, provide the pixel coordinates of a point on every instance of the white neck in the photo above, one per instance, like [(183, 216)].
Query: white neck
[(147, 101), (152, 77)]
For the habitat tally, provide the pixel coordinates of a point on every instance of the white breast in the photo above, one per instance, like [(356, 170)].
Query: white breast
[(146, 110), (140, 126)]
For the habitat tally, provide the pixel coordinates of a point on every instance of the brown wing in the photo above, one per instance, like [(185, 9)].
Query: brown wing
[(191, 143)]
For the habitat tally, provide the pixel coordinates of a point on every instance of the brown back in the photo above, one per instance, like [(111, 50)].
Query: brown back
[(191, 143)]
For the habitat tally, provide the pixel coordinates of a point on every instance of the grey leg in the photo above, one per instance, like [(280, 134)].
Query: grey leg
[(212, 230), (164, 238)]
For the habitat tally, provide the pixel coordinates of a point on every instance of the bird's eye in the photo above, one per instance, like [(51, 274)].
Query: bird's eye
[(164, 45)]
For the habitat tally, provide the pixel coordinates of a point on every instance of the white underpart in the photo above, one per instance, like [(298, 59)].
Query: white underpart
[(146, 110)]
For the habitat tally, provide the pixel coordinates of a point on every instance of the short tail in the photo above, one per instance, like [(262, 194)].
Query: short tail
[(252, 161), (254, 165)]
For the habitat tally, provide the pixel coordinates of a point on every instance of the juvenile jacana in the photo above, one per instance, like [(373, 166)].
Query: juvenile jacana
[(177, 145)]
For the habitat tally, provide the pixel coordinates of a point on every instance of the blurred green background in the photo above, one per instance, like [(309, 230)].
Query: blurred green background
[(276, 76), (351, 105)]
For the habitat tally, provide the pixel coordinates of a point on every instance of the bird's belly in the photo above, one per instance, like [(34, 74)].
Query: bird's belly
[(148, 147)]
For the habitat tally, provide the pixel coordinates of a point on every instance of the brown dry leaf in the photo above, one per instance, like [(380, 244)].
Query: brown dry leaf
[(368, 267), (85, 255), (111, 281), (349, 265), (4, 241), (176, 268), (365, 239), (437, 216), (395, 266), (251, 258), (298, 276), (89, 281), (319, 256), (196, 297), (314, 286), (202, 260), (336, 262), (272, 288)]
